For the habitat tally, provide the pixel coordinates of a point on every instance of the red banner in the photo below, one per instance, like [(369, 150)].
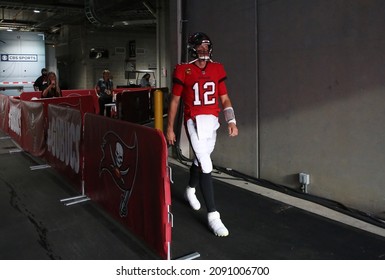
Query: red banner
[(4, 110), (64, 142), (33, 130), (126, 172)]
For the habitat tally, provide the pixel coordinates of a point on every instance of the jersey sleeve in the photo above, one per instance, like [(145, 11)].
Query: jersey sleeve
[(178, 80), (222, 89)]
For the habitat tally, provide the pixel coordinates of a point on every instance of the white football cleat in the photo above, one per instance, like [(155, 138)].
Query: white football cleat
[(192, 198), (216, 224)]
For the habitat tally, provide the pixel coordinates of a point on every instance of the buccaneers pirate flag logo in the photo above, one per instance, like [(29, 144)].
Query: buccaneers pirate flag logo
[(120, 161)]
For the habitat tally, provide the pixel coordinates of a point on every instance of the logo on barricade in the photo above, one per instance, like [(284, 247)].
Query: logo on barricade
[(31, 121), (120, 161), (14, 121), (63, 138)]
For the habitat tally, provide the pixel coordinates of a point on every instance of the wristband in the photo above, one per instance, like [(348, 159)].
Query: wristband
[(229, 115), (232, 121)]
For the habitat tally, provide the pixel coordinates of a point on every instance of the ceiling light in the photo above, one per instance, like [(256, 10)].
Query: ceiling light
[(10, 29), (36, 11)]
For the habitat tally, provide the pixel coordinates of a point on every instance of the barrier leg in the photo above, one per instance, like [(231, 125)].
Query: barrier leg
[(190, 256), (15, 151), (38, 167), (76, 199)]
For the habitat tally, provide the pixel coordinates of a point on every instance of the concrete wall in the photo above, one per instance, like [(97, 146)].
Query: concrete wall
[(322, 97), (78, 70)]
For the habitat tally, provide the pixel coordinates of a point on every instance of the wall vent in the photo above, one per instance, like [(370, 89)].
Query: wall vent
[(120, 50), (140, 51)]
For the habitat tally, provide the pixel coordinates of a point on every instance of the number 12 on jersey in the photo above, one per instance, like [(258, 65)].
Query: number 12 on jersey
[(207, 96)]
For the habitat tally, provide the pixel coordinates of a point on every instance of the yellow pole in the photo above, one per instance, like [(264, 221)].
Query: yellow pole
[(158, 109)]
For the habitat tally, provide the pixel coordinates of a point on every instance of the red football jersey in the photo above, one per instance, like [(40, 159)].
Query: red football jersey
[(199, 88)]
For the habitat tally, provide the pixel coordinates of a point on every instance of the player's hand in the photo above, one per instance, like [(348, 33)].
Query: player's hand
[(170, 136), (233, 129)]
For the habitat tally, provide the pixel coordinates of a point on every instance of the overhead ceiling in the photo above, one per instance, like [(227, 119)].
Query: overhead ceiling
[(52, 15)]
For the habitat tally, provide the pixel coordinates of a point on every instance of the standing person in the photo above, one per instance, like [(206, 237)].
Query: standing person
[(41, 81), (103, 89), (51, 89), (201, 85)]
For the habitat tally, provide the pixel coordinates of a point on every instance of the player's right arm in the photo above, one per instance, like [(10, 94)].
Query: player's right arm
[(173, 108)]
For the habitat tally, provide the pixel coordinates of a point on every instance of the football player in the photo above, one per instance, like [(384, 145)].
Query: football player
[(201, 85)]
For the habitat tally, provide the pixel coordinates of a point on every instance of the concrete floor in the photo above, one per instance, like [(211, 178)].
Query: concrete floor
[(263, 223)]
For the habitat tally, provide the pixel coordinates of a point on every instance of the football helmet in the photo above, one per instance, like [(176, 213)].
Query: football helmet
[(196, 40)]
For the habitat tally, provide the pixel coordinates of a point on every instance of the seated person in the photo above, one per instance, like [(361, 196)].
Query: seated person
[(145, 81), (51, 89)]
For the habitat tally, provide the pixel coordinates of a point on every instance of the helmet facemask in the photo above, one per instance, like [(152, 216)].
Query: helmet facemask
[(203, 51)]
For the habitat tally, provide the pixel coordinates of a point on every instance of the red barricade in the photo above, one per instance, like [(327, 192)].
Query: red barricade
[(77, 92), (84, 103), (82, 92), (126, 172), (123, 165), (26, 121), (128, 89), (134, 105), (29, 95)]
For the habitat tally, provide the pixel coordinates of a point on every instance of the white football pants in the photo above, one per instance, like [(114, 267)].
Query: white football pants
[(203, 146)]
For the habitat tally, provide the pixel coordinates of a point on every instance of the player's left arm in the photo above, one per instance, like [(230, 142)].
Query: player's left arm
[(229, 115)]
